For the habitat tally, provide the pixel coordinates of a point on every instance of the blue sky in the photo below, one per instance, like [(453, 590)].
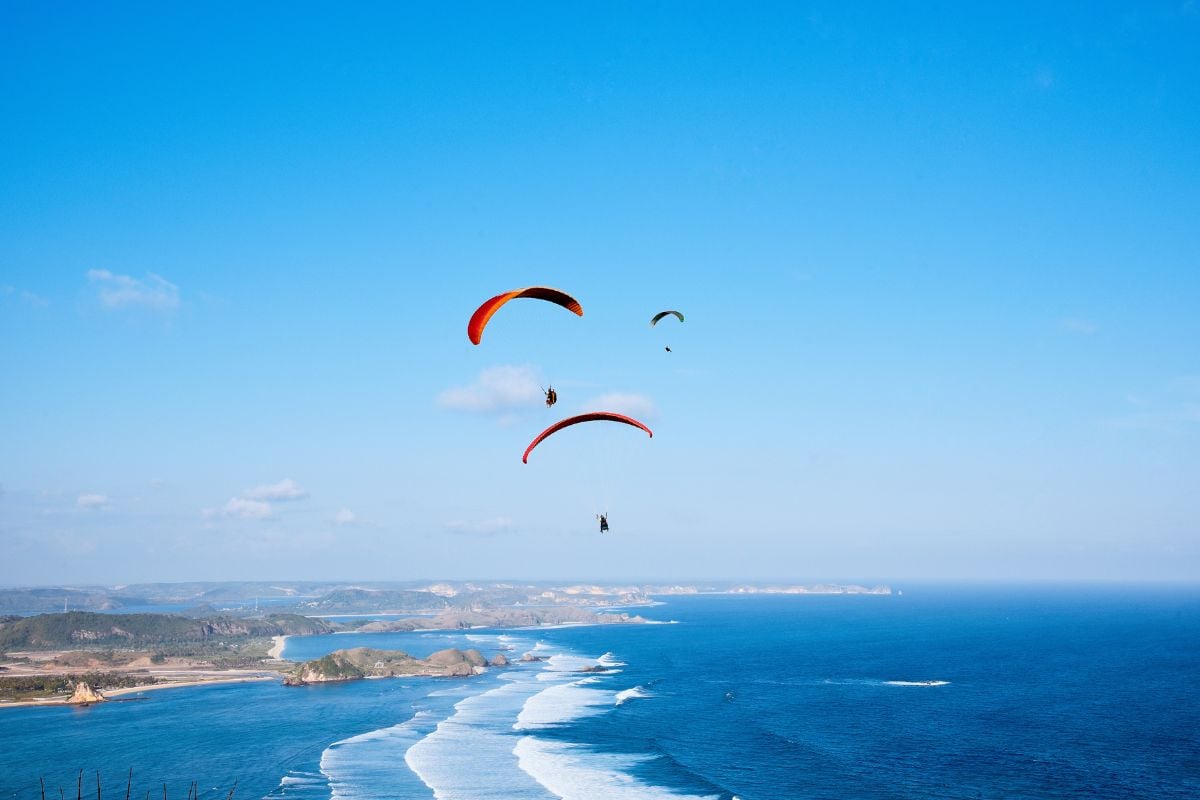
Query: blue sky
[(940, 265)]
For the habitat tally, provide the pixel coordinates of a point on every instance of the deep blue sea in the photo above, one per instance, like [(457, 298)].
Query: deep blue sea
[(942, 692)]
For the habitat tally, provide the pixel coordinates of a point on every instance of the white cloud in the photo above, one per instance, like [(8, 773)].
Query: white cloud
[(256, 503), (122, 291), (92, 502), (1080, 325), (241, 509), (627, 403), (481, 527), (496, 389), (286, 489), (345, 517)]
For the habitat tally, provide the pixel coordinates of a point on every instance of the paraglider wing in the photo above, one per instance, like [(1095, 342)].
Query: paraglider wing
[(479, 319), (654, 320), (594, 416)]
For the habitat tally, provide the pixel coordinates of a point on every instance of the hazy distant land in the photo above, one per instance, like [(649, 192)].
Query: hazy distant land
[(236, 631)]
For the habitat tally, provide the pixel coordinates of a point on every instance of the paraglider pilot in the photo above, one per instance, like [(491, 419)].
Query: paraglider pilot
[(551, 397), (603, 522)]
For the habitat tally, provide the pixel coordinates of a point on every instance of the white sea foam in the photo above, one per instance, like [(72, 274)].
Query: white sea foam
[(563, 662), (609, 660), (562, 703), (636, 693), (573, 772), (300, 784), (917, 683), (369, 765), (469, 754)]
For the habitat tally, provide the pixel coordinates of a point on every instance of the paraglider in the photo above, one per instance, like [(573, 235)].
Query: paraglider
[(654, 320), (603, 522), (551, 396), (479, 319), (594, 416)]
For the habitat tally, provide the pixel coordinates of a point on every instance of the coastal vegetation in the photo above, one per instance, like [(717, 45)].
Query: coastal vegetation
[(76, 628), (28, 687), (365, 662)]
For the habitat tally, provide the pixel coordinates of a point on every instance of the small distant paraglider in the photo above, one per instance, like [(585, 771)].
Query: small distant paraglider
[(483, 314), (603, 522), (654, 320), (551, 396)]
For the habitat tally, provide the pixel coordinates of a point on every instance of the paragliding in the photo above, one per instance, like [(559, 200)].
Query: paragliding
[(551, 396), (594, 416), (603, 522), (483, 314), (654, 320)]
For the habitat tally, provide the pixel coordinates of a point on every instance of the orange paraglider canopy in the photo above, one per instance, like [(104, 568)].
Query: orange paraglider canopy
[(593, 416), (479, 319)]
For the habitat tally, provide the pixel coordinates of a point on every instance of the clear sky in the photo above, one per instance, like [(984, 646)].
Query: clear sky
[(940, 265)]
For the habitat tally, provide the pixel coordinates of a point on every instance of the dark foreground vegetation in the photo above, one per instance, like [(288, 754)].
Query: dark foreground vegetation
[(193, 790)]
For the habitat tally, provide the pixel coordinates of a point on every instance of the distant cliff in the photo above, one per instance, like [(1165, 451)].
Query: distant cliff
[(364, 662), (502, 618)]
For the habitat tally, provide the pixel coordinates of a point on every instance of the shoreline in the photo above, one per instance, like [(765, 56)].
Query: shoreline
[(276, 651), (126, 690)]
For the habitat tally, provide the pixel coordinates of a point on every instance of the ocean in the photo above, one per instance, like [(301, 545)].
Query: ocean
[(941, 692)]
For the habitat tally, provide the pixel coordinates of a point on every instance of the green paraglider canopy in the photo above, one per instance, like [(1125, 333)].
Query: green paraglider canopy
[(654, 320)]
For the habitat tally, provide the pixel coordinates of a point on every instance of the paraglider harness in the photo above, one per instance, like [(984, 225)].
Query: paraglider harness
[(551, 397), (603, 522)]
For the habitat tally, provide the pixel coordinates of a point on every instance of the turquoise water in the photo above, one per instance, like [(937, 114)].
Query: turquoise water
[(942, 692)]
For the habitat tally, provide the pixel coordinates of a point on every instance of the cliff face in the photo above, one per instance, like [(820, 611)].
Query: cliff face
[(364, 662), (85, 694)]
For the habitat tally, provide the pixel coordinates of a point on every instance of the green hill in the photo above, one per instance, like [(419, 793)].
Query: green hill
[(77, 629)]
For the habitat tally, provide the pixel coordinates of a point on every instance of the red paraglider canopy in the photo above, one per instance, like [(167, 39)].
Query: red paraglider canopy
[(593, 416), (479, 319)]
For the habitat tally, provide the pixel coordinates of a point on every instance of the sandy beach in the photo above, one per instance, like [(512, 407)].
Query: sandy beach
[(112, 693), (276, 650)]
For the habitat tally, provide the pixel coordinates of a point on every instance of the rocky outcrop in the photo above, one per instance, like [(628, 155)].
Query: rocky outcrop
[(530, 657), (498, 660), (364, 662), (85, 694)]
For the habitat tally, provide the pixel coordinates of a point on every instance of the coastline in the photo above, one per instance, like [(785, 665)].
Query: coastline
[(111, 693), (276, 651)]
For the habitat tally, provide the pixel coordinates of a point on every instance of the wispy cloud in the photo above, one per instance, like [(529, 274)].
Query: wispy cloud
[(502, 388), (627, 403), (1173, 408), (25, 296), (256, 503), (345, 517), (480, 527), (92, 502), (1079, 325), (122, 291), (284, 490), (240, 508)]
